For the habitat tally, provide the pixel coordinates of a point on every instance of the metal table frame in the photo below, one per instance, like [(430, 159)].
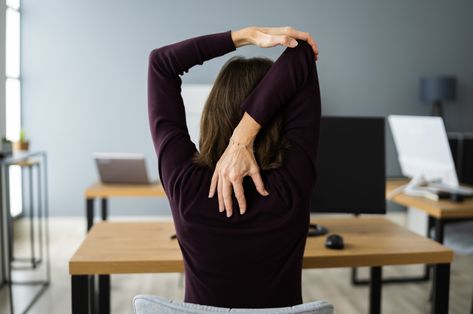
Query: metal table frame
[(6, 219)]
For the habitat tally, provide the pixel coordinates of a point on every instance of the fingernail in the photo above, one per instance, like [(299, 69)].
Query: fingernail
[(210, 195), (242, 211), (228, 214), (266, 192), (293, 43)]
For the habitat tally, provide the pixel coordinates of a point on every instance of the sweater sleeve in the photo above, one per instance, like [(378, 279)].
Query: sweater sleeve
[(281, 83), (291, 87), (166, 112)]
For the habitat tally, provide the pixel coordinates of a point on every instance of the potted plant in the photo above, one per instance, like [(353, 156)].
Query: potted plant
[(22, 144)]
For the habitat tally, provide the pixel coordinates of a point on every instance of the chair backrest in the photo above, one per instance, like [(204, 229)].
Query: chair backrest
[(146, 304)]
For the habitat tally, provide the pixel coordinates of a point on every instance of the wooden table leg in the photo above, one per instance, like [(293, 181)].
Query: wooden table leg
[(80, 294), (375, 290), (90, 212), (441, 289)]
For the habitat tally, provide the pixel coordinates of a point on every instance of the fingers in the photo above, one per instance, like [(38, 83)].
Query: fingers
[(224, 191), (290, 32), (223, 184), (225, 201), (286, 30), (259, 183), (302, 36), (314, 46), (213, 184), (265, 40), (284, 40), (240, 195), (221, 206), (227, 197)]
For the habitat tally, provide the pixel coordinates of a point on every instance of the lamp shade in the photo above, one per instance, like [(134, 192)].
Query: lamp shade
[(438, 89)]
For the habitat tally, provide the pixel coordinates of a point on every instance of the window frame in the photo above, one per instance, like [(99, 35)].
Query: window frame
[(15, 172)]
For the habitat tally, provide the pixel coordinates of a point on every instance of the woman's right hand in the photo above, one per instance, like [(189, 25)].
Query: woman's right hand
[(266, 37)]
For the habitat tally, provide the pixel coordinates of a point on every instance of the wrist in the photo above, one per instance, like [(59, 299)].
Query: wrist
[(241, 37), (242, 137), (235, 142), (246, 131)]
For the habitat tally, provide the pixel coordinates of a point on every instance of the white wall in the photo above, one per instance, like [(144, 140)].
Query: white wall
[(194, 96)]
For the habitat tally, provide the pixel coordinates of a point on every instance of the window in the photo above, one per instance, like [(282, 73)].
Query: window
[(13, 95)]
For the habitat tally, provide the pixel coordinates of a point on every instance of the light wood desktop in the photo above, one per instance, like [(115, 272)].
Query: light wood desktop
[(147, 248), (105, 191), (439, 212)]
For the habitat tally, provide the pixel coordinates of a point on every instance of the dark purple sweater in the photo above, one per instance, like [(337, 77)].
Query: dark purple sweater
[(252, 260)]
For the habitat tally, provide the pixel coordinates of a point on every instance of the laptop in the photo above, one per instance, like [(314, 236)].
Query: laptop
[(122, 168), (425, 156)]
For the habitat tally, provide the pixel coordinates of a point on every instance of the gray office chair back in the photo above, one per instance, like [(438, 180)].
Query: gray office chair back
[(146, 304)]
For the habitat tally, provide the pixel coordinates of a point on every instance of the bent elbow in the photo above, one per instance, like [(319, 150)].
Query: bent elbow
[(155, 59), (305, 50)]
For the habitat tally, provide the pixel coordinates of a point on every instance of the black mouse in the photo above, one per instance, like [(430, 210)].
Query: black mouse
[(334, 241)]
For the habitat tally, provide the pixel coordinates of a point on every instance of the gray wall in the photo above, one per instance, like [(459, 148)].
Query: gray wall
[(84, 69)]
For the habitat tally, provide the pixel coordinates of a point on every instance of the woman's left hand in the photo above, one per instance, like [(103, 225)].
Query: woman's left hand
[(237, 161)]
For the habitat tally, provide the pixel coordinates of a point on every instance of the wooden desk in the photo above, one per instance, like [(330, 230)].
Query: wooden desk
[(147, 248), (104, 191), (439, 211)]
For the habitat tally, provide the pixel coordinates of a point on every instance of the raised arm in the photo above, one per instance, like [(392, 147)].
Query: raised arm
[(286, 77), (166, 64), (165, 105), (281, 83)]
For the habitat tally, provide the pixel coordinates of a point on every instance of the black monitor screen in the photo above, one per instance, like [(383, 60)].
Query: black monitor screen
[(350, 166)]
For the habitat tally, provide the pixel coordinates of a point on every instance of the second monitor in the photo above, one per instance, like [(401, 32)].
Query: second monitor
[(351, 175)]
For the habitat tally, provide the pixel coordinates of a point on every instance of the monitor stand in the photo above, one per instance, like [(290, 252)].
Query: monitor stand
[(316, 230)]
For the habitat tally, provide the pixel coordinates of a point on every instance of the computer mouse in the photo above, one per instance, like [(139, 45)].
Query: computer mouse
[(334, 241)]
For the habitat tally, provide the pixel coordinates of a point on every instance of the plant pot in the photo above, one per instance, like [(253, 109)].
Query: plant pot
[(7, 148), (21, 146)]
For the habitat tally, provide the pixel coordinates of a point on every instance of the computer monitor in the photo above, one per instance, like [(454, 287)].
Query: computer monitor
[(350, 166), (422, 148)]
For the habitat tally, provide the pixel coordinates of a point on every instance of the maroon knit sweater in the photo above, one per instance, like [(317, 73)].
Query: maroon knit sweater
[(252, 260)]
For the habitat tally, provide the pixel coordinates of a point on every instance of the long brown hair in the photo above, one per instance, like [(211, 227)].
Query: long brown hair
[(222, 113)]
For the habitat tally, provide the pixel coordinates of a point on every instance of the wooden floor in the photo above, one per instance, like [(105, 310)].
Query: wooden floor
[(332, 285)]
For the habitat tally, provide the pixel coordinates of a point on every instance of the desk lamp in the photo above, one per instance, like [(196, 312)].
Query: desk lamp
[(436, 90)]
